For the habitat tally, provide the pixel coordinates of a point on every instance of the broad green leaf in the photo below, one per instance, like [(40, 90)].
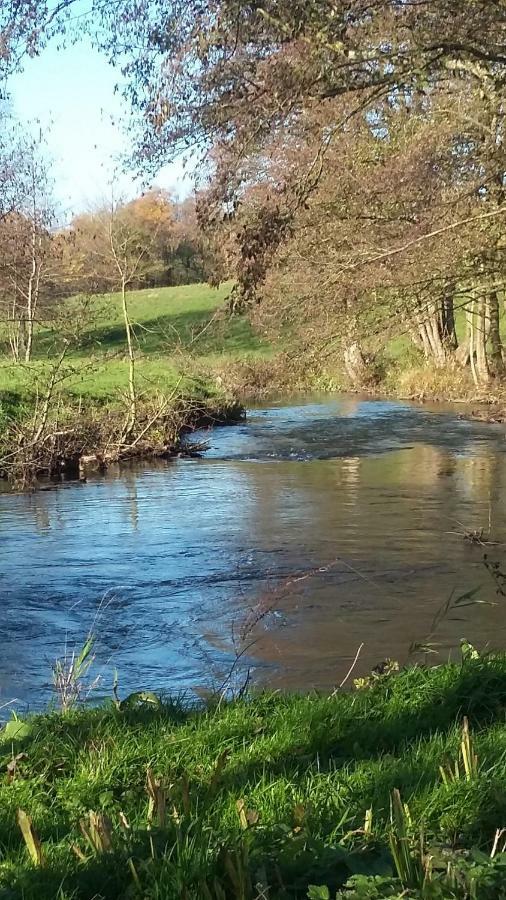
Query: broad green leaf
[(16, 730), (318, 892), (138, 698)]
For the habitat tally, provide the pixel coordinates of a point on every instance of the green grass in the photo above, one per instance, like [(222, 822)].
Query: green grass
[(74, 394), (170, 341), (304, 769)]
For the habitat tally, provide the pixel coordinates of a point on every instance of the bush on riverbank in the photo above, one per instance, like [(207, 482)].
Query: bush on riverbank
[(265, 796), (71, 441)]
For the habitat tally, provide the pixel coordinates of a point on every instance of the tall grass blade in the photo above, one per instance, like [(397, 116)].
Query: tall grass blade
[(30, 837), (97, 830), (157, 809), (408, 869)]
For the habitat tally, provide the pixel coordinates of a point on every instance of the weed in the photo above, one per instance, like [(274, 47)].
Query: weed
[(71, 681), (467, 765)]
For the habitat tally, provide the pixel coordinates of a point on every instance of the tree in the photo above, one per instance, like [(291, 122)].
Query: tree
[(285, 99), (11, 161), (115, 251), (26, 255), (269, 92), (27, 25), (397, 232), (169, 231), (228, 72)]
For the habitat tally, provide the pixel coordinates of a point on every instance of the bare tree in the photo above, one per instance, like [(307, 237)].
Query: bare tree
[(116, 252), (26, 251)]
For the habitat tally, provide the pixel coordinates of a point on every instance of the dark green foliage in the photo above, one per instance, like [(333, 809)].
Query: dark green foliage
[(13, 405)]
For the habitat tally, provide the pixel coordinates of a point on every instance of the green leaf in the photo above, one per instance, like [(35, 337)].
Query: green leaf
[(139, 698), (479, 857), (16, 730), (106, 798), (468, 599), (468, 651), (85, 651), (318, 892)]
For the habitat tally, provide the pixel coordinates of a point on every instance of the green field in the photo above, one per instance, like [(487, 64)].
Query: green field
[(185, 333), (170, 342), (265, 796)]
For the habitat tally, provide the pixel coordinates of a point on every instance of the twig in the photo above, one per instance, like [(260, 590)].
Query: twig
[(350, 670), (498, 835), (222, 689), (160, 411)]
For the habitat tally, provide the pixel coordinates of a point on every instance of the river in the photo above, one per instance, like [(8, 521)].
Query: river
[(311, 528)]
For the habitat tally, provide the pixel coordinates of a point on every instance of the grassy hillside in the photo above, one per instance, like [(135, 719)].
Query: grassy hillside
[(171, 338), (263, 797)]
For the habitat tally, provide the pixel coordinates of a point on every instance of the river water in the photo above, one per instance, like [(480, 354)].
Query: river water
[(311, 528)]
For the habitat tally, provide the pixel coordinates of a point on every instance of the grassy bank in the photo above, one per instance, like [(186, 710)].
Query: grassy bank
[(182, 340), (265, 796)]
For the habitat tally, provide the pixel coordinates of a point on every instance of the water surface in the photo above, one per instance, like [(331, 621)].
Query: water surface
[(375, 494)]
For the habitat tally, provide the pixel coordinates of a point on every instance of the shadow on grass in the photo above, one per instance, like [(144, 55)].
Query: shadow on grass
[(169, 332)]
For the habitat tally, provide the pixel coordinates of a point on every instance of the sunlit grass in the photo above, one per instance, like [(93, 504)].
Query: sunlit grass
[(306, 769), (176, 331)]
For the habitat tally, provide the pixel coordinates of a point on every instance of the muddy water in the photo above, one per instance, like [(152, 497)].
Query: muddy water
[(337, 523)]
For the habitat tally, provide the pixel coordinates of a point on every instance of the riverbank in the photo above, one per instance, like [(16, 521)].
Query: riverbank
[(72, 442), (81, 403), (396, 371), (265, 796), (70, 410), (258, 380)]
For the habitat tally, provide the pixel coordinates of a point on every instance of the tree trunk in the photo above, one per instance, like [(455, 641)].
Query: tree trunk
[(495, 343), (424, 337), (448, 332), (431, 331), (14, 327), (22, 335), (433, 328), (414, 333), (132, 413), (471, 329), (482, 369), (31, 298), (356, 365)]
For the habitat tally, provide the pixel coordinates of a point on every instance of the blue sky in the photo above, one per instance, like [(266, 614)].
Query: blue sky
[(69, 93)]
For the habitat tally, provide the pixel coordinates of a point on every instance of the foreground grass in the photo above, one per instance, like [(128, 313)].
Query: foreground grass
[(263, 797)]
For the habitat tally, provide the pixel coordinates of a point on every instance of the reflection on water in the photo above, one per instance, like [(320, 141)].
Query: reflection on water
[(373, 493)]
